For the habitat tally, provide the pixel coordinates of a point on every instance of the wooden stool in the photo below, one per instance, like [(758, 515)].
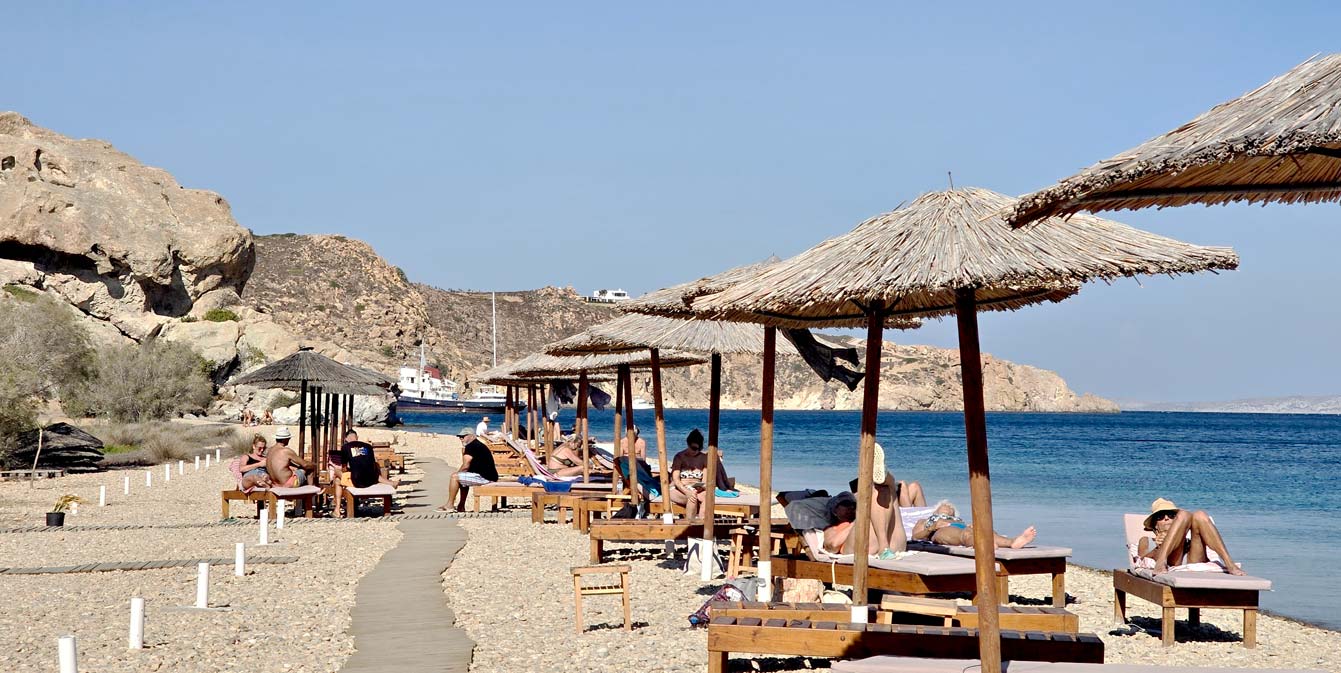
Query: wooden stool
[(743, 543), (602, 589)]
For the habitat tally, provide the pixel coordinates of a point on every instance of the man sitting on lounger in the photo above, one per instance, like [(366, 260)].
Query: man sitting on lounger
[(945, 527), (1182, 537), (477, 469), (835, 516), (357, 467), (286, 469)]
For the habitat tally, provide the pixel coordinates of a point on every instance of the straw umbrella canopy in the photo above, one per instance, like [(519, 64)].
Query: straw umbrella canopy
[(312, 374), (675, 301), (1280, 142), (539, 366), (636, 332), (949, 253)]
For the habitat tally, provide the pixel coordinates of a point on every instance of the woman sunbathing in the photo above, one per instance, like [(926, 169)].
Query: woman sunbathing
[(835, 516), (1183, 537), (947, 528), (566, 460)]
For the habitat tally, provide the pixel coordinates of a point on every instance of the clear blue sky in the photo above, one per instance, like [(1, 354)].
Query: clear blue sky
[(633, 145)]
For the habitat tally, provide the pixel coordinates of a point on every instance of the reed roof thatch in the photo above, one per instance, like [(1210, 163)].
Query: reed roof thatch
[(637, 332), (675, 301), (913, 259), (538, 367), (317, 370), (1281, 142)]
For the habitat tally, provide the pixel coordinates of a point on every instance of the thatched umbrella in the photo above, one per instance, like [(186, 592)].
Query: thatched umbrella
[(1280, 142), (948, 253), (518, 378), (635, 332), (314, 375), (541, 365)]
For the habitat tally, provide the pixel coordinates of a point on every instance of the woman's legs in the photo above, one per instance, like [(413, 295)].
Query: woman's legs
[(1206, 535), (911, 495), (885, 520), (685, 496), (1171, 551)]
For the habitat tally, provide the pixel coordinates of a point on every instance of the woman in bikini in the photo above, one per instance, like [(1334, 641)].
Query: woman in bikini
[(945, 527), (566, 459)]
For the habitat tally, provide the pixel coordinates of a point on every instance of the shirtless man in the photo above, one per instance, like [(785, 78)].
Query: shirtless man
[(945, 527), (1182, 537), (639, 445), (286, 469)]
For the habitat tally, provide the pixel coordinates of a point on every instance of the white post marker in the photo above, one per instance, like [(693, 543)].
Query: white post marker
[(102, 496), (765, 573), (240, 559), (197, 463), (74, 509), (125, 486), (207, 461), (136, 623), (181, 467), (148, 478), (216, 455), (202, 585), (279, 514), (167, 472), (69, 654), (707, 559), (859, 613), (265, 525)]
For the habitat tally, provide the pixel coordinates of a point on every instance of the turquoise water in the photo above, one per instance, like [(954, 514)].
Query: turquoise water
[(1269, 480)]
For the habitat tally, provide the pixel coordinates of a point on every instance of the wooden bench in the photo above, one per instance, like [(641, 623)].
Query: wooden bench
[(40, 473), (622, 588), (743, 543), (1170, 598), (887, 664), (1053, 620), (500, 492), (565, 503), (265, 498), (842, 639)]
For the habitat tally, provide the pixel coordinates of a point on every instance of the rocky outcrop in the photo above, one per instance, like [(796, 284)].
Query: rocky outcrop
[(121, 241)]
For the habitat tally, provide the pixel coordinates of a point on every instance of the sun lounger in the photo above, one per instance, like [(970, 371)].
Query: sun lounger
[(1185, 589), (840, 638), (919, 573), (352, 494), (888, 664), (646, 530), (894, 608), (1031, 560), (268, 496)]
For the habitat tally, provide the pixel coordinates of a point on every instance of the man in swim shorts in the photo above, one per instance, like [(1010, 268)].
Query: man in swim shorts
[(286, 469)]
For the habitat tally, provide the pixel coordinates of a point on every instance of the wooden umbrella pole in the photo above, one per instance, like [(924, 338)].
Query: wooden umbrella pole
[(549, 428), (980, 483), (351, 412), (507, 410), (583, 389), (661, 431), (331, 429), (302, 419), (766, 457), (631, 455), (619, 403), (314, 411), (530, 416), (870, 405), (714, 416)]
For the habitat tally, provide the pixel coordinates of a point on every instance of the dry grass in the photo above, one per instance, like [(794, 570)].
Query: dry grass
[(1280, 142), (161, 442)]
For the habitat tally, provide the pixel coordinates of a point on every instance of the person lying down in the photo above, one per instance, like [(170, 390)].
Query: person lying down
[(945, 527)]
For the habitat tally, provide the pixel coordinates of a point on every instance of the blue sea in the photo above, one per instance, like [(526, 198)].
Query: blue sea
[(1270, 480)]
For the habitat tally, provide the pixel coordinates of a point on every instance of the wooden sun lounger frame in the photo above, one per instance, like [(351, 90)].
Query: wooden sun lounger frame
[(1170, 599), (1052, 620), (797, 566), (644, 530), (261, 496), (842, 639)]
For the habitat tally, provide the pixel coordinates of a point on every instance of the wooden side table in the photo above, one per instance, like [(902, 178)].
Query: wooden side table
[(743, 543), (603, 589)]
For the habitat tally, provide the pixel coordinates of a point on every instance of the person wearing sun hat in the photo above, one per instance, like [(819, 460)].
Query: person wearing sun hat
[(1183, 537), (477, 469)]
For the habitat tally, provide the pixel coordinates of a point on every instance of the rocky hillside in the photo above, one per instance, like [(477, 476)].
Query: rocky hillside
[(142, 257)]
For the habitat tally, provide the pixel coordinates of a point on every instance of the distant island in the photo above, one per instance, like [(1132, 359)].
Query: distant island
[(1294, 404)]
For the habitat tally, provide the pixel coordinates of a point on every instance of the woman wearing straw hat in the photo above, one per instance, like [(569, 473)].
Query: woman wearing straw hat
[(1181, 535)]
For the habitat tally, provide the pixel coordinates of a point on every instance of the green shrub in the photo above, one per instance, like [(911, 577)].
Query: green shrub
[(358, 309), (220, 315), (21, 293), (285, 400), (401, 272), (128, 444), (113, 449), (150, 381), (251, 356), (44, 352), (387, 351), (189, 318)]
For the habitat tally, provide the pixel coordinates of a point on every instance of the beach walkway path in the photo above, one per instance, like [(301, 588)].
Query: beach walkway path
[(401, 621)]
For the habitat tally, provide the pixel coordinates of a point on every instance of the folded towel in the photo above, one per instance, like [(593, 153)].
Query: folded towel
[(725, 494)]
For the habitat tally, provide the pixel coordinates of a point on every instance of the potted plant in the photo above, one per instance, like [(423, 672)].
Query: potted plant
[(56, 517)]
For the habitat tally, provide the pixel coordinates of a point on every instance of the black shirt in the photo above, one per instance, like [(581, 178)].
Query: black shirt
[(361, 462), (481, 460)]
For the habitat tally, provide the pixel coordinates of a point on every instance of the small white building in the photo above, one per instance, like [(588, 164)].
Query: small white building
[(608, 296)]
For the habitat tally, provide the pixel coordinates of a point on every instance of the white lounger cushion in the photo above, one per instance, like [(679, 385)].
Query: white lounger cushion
[(1203, 580), (1002, 554), (888, 664), (374, 490), (281, 492)]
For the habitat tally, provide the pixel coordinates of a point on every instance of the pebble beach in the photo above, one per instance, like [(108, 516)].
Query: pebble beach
[(509, 587)]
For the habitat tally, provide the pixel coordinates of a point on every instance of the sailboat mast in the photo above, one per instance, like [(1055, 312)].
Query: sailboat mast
[(493, 303)]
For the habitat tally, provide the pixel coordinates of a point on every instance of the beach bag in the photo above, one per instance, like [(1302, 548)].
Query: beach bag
[(702, 615)]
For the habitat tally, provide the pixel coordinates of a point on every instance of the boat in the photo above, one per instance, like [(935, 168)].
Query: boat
[(425, 389), (640, 404)]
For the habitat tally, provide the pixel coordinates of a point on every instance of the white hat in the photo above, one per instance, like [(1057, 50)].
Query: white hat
[(282, 433)]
